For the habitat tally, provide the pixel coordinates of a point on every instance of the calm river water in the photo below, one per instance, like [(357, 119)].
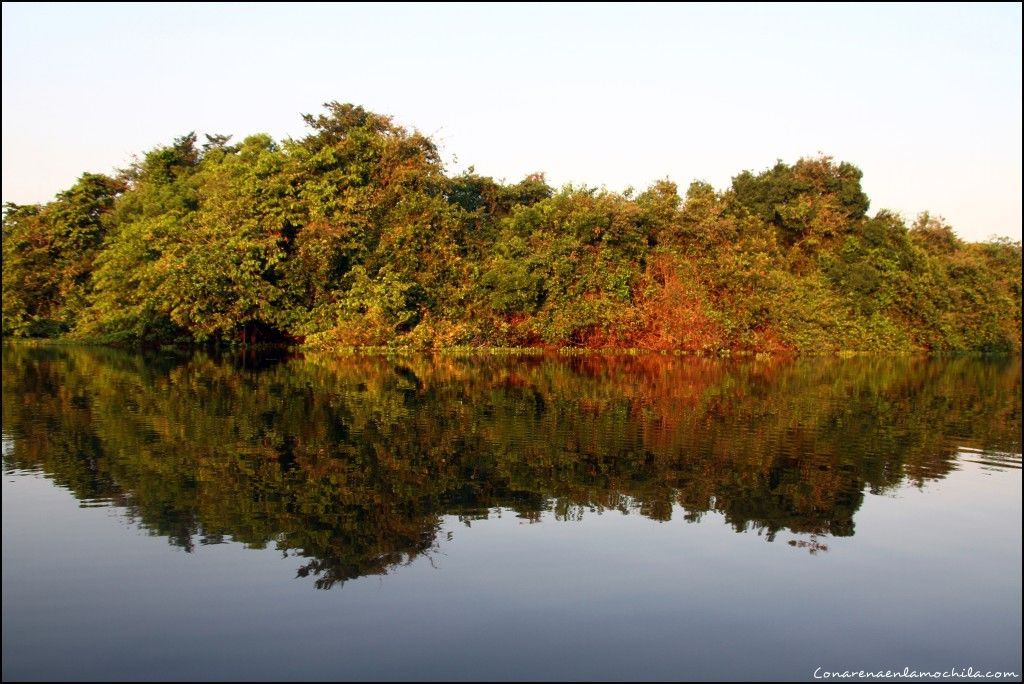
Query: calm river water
[(528, 517)]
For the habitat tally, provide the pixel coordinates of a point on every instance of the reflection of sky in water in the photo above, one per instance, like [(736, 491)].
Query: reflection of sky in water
[(995, 460)]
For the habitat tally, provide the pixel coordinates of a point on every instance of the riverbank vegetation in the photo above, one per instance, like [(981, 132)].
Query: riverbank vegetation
[(355, 236)]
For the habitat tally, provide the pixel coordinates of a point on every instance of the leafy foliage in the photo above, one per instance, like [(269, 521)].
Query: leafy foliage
[(354, 235)]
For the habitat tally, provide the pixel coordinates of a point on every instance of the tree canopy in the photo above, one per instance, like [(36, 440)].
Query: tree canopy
[(355, 235)]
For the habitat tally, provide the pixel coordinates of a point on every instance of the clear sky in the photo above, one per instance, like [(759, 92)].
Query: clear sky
[(925, 99)]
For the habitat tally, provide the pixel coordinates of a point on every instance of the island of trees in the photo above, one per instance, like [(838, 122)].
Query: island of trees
[(354, 236)]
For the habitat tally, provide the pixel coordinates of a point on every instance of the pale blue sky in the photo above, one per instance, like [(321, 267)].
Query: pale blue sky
[(925, 99)]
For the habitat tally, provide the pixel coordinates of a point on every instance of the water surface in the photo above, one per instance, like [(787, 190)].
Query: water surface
[(584, 517)]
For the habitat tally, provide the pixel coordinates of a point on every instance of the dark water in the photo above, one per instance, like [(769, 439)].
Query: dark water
[(587, 517)]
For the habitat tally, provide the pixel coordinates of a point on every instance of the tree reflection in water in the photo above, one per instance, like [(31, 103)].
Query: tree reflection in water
[(351, 462)]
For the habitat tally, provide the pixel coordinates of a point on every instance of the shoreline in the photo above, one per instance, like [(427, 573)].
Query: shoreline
[(469, 351)]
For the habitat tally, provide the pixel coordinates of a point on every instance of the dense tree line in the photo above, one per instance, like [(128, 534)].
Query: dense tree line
[(355, 236), (352, 462)]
